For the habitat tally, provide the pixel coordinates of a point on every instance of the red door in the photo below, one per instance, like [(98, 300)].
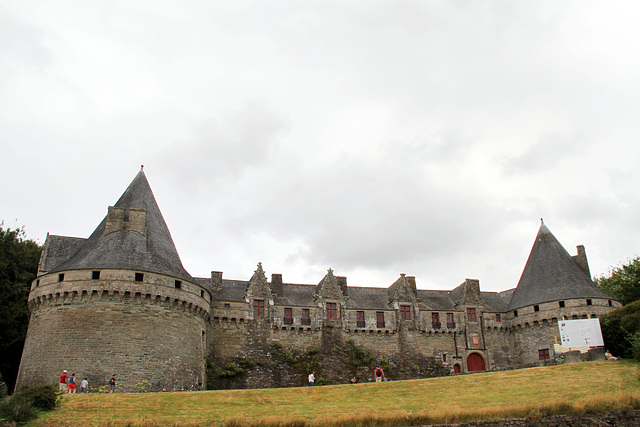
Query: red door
[(456, 369), (475, 363)]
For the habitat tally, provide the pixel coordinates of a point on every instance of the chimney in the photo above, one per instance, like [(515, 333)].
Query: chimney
[(276, 284), (216, 281), (581, 259), (342, 283)]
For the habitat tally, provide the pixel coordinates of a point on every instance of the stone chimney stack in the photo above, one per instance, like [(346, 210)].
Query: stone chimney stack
[(276, 284), (581, 259), (342, 283), (216, 281)]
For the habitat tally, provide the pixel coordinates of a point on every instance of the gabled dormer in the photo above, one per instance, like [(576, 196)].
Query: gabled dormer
[(467, 294), (330, 288), (403, 290), (258, 294)]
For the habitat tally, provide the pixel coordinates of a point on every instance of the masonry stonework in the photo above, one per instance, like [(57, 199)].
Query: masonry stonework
[(121, 302)]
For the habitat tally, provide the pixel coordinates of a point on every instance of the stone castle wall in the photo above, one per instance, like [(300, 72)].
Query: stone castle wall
[(94, 327)]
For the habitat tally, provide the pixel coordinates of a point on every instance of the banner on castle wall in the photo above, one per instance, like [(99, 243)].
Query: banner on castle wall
[(581, 333)]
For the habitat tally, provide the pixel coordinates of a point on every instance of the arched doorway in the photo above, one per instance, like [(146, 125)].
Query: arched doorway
[(475, 363), (456, 369)]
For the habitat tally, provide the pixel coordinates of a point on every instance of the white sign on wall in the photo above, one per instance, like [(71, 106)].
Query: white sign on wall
[(581, 333)]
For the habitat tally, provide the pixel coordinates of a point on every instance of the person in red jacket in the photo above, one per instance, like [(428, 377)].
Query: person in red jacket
[(63, 382)]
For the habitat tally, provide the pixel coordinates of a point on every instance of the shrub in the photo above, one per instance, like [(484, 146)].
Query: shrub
[(3, 388), (43, 396), (23, 405), (16, 409)]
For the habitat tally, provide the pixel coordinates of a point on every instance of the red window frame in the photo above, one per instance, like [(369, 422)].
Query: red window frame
[(405, 312), (435, 320), (360, 319), (332, 310), (380, 319), (451, 323), (306, 316), (543, 354), (498, 317), (471, 315), (288, 316), (258, 308)]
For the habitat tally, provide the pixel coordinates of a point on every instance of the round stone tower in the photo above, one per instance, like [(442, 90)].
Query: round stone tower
[(119, 302)]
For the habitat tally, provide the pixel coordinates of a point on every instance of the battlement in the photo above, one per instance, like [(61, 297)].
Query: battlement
[(82, 286)]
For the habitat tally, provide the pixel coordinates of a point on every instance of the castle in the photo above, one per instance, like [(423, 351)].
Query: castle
[(121, 302)]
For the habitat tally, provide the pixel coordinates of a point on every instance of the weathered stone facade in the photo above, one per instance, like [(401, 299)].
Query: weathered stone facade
[(121, 302)]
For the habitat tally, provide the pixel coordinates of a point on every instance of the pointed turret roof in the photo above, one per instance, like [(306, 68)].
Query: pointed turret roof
[(551, 274), (133, 236)]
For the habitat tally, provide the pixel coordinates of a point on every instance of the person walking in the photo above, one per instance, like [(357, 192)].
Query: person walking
[(84, 385), (112, 384), (62, 385), (312, 379), (72, 384)]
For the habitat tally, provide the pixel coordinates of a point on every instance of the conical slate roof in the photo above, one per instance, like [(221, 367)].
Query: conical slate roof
[(551, 274), (149, 248)]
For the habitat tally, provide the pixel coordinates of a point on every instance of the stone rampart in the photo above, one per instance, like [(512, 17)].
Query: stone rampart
[(93, 328)]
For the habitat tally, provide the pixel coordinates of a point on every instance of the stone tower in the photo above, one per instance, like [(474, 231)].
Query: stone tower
[(118, 302)]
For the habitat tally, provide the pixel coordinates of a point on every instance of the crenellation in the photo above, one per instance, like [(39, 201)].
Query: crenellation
[(133, 310)]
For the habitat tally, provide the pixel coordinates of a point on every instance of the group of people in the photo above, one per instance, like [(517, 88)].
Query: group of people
[(68, 384), (378, 374)]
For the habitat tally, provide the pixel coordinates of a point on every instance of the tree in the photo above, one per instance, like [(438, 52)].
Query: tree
[(623, 283), (19, 259), (621, 330)]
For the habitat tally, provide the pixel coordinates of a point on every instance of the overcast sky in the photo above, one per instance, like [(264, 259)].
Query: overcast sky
[(371, 137)]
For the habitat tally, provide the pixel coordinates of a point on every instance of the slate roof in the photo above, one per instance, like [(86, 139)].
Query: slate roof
[(551, 274), (152, 252), (58, 249)]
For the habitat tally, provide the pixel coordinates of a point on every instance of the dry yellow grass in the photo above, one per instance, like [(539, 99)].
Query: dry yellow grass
[(585, 387)]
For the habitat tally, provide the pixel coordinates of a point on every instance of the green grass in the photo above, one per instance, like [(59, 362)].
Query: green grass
[(535, 392)]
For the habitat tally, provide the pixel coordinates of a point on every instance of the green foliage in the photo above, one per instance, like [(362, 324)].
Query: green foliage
[(621, 330), (230, 370), (23, 406), (622, 283), (385, 365), (3, 388), (19, 258), (43, 396)]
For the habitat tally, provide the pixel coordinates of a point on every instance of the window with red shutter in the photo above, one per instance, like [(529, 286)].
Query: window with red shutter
[(360, 319), (288, 316), (380, 319), (258, 308), (332, 310), (471, 315), (306, 316)]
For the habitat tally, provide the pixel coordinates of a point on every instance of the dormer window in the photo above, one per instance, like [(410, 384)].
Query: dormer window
[(405, 312), (258, 308), (332, 310)]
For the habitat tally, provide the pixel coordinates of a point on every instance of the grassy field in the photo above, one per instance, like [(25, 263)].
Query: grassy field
[(565, 389)]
